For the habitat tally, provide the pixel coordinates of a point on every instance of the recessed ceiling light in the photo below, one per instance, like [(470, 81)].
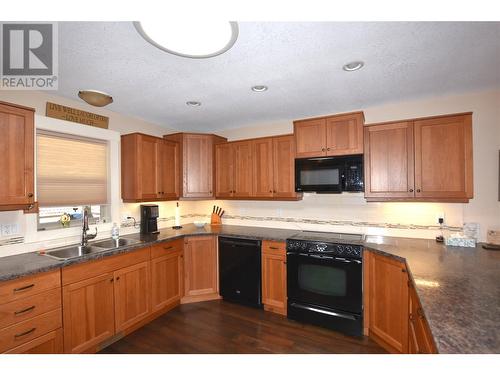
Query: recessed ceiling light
[(259, 88), (95, 98), (193, 103), (189, 39), (352, 66)]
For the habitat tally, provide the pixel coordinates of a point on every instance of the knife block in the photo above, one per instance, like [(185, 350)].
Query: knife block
[(215, 220)]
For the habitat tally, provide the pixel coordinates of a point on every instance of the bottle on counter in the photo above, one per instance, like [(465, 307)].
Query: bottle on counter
[(115, 232)]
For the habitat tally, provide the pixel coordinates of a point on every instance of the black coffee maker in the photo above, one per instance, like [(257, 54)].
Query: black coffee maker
[(149, 218)]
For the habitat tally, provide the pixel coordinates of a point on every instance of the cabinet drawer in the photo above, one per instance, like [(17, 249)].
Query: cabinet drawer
[(166, 248), (30, 329), (51, 343), (17, 311), (29, 286), (274, 247)]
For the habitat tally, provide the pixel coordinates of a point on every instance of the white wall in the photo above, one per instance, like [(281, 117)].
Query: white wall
[(483, 209)]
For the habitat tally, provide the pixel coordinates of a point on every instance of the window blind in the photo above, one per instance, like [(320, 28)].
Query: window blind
[(71, 170)]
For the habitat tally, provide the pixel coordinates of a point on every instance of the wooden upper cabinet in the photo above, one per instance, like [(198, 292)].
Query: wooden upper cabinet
[(328, 136), (388, 302), (150, 168), (88, 313), (17, 150), (197, 163), (169, 173), (443, 157), (344, 134), (388, 160), (428, 159), (200, 269), (131, 293), (243, 168), (224, 170), (284, 167), (310, 137), (263, 167)]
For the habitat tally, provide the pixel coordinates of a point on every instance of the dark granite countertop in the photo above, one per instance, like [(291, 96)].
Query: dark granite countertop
[(459, 288)]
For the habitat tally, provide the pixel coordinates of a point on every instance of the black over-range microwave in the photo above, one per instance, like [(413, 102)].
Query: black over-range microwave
[(333, 174)]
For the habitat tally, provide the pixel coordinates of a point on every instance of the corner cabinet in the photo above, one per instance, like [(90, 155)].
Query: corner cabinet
[(196, 163), (428, 159), (256, 169), (329, 136), (149, 168), (17, 161), (201, 280)]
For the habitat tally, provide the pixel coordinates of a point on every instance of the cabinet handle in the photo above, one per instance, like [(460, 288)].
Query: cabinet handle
[(411, 190), (403, 270), (17, 335), (274, 248), (111, 280), (323, 149), (118, 278), (24, 288), (168, 247), (418, 190), (30, 195), (24, 310)]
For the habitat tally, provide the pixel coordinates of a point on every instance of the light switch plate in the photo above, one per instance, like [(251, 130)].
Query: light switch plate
[(10, 229)]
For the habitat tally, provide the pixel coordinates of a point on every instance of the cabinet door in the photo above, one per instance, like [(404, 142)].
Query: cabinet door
[(198, 166), (420, 339), (284, 166), (344, 135), (243, 185), (200, 268), (389, 161), (50, 343), (88, 313), (169, 169), (132, 293), (263, 168), (17, 151), (274, 295), (310, 137), (166, 280), (148, 167), (388, 303), (443, 157), (224, 170)]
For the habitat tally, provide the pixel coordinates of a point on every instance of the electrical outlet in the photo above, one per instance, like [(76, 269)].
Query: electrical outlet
[(439, 215), (279, 212), (10, 229)]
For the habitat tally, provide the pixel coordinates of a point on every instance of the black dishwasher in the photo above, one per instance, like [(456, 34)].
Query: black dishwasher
[(240, 270)]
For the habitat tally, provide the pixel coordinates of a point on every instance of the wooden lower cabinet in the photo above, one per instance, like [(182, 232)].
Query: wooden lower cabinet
[(132, 293), (201, 281), (388, 302), (274, 295), (166, 280), (88, 313), (420, 340), (50, 343)]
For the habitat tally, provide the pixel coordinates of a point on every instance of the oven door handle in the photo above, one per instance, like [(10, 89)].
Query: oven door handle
[(343, 260)]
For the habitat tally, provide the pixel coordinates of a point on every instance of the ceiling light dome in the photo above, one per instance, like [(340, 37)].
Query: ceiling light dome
[(95, 98), (352, 66), (194, 40)]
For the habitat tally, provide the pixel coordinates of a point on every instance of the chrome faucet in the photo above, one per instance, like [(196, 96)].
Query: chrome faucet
[(86, 237)]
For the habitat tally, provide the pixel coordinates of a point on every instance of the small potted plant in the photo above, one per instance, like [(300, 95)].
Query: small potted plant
[(65, 220)]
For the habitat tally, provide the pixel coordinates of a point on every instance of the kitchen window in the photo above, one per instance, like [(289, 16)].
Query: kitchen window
[(72, 173)]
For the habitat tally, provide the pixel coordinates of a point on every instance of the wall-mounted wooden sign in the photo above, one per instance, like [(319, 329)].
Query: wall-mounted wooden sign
[(62, 112)]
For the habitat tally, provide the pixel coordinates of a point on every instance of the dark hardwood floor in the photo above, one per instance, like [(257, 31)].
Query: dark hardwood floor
[(223, 327)]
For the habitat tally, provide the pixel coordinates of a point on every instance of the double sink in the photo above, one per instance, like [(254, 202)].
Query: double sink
[(75, 251)]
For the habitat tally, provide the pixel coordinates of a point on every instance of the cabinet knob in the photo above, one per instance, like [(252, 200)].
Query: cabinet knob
[(111, 280), (328, 149), (323, 149), (418, 190), (30, 195), (270, 191), (118, 278), (403, 270)]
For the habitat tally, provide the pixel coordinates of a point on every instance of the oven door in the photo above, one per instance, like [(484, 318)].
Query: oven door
[(327, 281), (318, 175)]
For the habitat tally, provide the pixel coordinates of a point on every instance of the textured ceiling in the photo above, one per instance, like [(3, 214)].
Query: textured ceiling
[(300, 62)]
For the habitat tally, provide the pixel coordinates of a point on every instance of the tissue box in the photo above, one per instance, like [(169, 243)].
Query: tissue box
[(460, 240)]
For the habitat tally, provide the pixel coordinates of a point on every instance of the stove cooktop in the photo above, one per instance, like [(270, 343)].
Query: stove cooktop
[(326, 237)]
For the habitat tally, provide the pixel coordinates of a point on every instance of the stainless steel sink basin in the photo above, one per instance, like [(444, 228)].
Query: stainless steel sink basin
[(112, 244), (73, 252)]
